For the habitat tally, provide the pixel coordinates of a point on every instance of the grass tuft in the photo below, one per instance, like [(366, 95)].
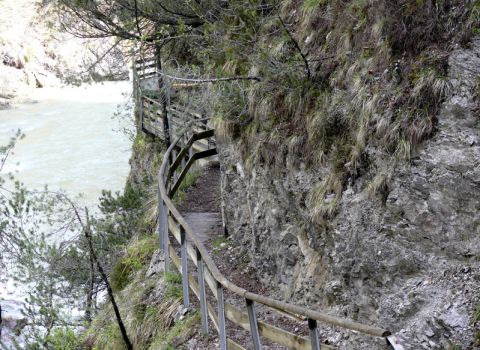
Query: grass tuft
[(136, 257)]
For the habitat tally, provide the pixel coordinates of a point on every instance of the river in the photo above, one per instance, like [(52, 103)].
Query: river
[(72, 142)]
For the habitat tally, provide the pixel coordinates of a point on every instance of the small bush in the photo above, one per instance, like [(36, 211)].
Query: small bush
[(221, 243), (63, 339), (131, 199), (138, 255), (174, 286), (165, 340)]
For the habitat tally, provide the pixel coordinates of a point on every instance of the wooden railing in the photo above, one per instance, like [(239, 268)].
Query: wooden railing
[(145, 68), (152, 118), (154, 113), (173, 225), (195, 141)]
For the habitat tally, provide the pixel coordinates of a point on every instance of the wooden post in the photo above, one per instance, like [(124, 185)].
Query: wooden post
[(312, 325), (252, 318), (137, 95), (202, 297), (184, 254), (162, 97), (161, 221), (1, 320), (222, 335)]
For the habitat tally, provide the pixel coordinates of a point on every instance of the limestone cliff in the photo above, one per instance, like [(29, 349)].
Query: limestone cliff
[(407, 260)]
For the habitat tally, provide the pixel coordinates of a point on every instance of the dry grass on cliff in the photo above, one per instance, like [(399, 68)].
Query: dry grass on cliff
[(379, 77)]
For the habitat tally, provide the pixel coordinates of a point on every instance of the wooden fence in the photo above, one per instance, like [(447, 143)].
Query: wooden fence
[(195, 141)]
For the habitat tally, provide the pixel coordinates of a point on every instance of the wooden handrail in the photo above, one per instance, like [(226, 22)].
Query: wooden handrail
[(208, 272), (166, 173)]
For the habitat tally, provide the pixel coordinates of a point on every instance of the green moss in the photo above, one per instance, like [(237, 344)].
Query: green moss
[(140, 142), (144, 145), (221, 243)]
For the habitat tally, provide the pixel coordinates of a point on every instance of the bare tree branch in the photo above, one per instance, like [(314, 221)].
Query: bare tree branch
[(210, 80), (88, 236), (297, 46)]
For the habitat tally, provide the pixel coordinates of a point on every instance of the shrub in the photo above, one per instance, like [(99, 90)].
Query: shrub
[(137, 256)]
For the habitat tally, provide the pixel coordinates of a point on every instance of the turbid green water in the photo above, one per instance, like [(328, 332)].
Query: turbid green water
[(72, 142)]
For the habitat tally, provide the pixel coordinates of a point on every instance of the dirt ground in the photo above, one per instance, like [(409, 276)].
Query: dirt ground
[(204, 195)]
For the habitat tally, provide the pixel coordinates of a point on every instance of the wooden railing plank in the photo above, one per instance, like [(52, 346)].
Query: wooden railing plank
[(196, 156), (195, 289), (270, 332), (176, 233)]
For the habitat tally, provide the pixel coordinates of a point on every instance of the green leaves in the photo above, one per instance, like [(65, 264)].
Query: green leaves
[(64, 339), (130, 200)]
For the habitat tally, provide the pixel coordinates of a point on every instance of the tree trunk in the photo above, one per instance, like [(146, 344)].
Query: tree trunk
[(91, 284), (93, 255)]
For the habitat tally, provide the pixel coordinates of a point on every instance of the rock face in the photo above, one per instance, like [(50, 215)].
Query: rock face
[(409, 263), (11, 323)]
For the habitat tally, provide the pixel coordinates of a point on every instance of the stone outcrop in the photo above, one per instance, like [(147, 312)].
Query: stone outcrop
[(408, 262)]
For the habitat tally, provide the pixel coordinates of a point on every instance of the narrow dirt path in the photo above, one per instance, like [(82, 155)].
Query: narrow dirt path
[(201, 209), (201, 204)]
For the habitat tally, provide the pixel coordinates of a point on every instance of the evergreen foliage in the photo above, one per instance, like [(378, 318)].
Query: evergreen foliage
[(45, 251)]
